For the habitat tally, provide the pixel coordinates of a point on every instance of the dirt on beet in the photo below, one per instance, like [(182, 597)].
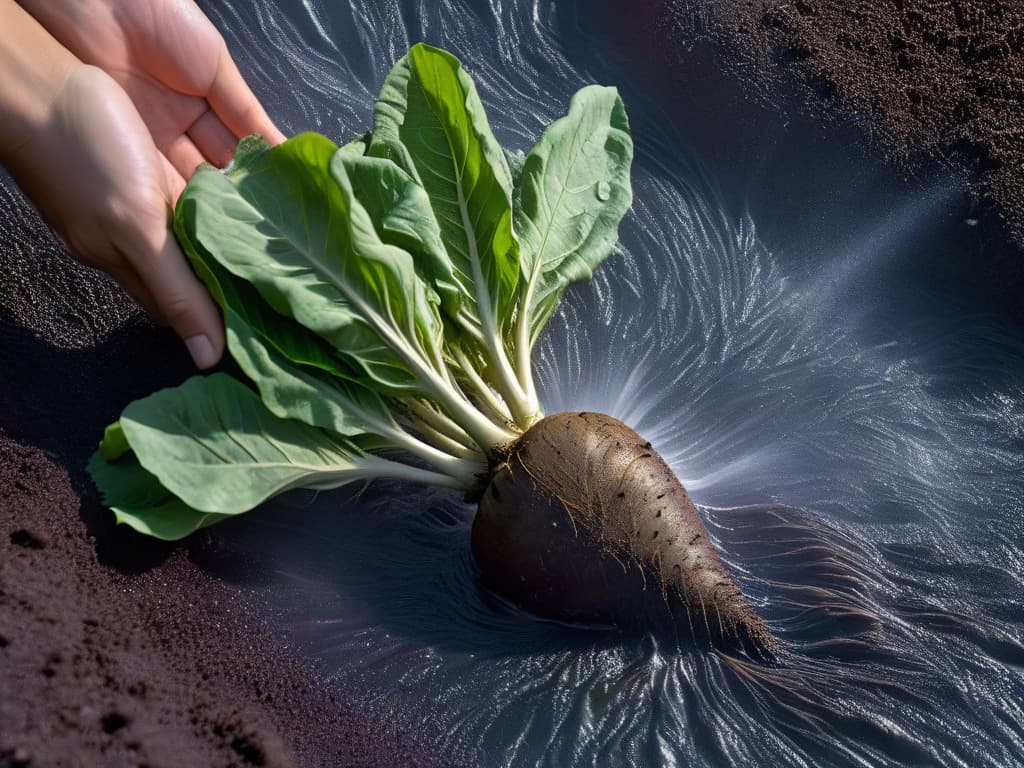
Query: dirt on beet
[(584, 521)]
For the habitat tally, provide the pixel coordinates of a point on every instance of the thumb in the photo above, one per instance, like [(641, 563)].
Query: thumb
[(181, 300)]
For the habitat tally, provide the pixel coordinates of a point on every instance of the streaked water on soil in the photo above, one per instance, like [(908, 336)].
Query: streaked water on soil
[(788, 325)]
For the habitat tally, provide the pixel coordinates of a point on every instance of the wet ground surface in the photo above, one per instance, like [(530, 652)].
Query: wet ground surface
[(829, 355)]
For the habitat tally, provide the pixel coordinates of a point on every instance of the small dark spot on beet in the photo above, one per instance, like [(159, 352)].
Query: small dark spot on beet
[(582, 414), (645, 455), (621, 494), (495, 493), (655, 535), (113, 722), (647, 446), (23, 538), (694, 539), (677, 570), (4, 642), (660, 496), (48, 672), (658, 513)]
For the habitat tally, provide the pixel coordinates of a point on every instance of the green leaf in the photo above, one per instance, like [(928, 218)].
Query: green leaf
[(574, 191), (286, 220), (214, 445), (114, 443), (138, 499), (516, 159), (400, 211), (298, 375), (299, 392), (357, 146), (429, 120)]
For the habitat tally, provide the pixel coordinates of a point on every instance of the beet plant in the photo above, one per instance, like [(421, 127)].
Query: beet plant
[(382, 299)]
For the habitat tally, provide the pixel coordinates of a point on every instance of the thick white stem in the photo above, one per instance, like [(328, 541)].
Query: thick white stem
[(385, 468), (449, 446), (497, 408), (440, 424), (486, 434), (463, 469), (494, 348), (523, 347)]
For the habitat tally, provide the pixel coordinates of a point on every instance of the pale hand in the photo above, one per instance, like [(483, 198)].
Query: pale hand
[(98, 179), (174, 65), (123, 144)]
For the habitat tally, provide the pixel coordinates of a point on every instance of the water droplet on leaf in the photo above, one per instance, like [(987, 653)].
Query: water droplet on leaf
[(604, 190)]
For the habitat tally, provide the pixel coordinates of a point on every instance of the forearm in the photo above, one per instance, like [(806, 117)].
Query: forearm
[(33, 69)]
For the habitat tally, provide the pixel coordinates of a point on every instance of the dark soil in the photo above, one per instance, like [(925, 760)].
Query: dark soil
[(925, 79), (116, 650)]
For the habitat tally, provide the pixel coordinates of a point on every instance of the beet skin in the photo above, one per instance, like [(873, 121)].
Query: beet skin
[(584, 521)]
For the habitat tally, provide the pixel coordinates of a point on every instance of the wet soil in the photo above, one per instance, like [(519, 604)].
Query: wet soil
[(926, 80)]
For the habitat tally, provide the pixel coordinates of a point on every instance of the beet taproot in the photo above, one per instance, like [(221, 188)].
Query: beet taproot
[(584, 521)]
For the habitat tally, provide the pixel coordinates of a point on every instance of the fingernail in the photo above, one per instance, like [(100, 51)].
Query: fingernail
[(201, 350)]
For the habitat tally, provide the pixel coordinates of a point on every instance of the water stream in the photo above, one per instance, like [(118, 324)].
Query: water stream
[(795, 328)]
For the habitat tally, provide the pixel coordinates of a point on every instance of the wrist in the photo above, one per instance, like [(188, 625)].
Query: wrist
[(35, 70)]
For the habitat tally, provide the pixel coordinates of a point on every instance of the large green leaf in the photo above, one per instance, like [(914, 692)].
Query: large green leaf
[(138, 499), (400, 211), (287, 222), (300, 392), (213, 444), (298, 375), (430, 121), (573, 191)]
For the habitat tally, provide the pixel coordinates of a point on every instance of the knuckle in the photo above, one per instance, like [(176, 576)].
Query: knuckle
[(175, 307)]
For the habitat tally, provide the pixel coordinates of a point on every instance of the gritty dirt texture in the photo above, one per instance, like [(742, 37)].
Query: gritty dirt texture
[(924, 79), (116, 650)]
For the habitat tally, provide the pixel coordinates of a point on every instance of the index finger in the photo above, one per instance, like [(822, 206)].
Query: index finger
[(236, 105)]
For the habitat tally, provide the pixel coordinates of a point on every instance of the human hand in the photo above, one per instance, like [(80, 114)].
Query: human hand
[(96, 176), (173, 64), (116, 150)]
